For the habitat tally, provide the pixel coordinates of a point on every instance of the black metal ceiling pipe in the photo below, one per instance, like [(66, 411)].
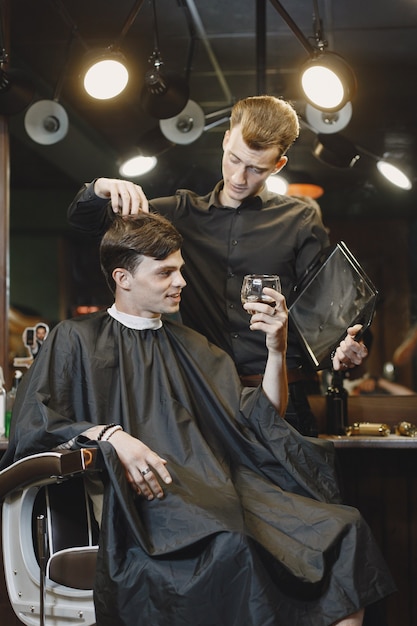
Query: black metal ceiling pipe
[(293, 26), (129, 21), (261, 47)]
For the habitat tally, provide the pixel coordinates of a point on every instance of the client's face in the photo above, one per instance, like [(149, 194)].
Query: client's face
[(155, 287)]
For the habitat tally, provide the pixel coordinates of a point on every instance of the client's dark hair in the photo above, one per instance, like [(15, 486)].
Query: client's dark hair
[(132, 237)]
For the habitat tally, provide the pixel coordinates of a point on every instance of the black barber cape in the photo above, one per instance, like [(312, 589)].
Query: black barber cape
[(251, 531)]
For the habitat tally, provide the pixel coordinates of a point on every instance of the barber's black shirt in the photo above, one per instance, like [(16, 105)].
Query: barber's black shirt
[(266, 234)]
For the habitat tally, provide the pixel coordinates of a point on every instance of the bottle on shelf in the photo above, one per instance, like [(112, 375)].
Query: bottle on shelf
[(336, 405), (10, 398), (2, 403)]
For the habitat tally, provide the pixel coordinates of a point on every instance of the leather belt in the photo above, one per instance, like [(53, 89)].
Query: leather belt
[(252, 380), (293, 375)]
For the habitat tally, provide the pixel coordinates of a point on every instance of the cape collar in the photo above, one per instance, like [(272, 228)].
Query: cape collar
[(134, 321)]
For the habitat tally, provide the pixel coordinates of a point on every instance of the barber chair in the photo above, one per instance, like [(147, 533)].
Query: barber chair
[(50, 537)]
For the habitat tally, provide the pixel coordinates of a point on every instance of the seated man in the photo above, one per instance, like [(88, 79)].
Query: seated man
[(216, 511)]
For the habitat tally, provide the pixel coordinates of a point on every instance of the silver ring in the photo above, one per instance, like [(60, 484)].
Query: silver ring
[(145, 471)]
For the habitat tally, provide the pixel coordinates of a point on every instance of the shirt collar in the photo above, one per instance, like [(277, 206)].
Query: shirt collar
[(134, 321), (253, 202)]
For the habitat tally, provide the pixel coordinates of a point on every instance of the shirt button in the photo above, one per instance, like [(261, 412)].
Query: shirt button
[(235, 336), (230, 275), (234, 242), (231, 306)]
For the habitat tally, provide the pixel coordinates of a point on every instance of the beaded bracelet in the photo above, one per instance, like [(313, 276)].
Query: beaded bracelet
[(111, 432), (104, 430)]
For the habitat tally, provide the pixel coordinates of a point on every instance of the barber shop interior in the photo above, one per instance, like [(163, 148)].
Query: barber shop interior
[(170, 455)]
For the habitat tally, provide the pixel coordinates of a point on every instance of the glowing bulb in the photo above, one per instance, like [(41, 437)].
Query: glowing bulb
[(323, 87), (277, 184), (138, 166), (394, 175), (106, 79)]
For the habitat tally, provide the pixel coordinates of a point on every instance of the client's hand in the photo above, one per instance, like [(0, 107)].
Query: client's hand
[(272, 320), (145, 469)]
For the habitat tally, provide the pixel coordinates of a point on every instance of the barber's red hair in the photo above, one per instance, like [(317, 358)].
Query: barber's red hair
[(266, 122)]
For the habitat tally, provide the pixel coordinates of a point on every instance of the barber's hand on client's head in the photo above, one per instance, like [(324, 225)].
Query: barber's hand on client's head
[(350, 352), (126, 198)]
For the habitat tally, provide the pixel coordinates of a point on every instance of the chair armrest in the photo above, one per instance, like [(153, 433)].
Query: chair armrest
[(47, 467)]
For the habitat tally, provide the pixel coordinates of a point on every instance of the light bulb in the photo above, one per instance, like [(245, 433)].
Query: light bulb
[(323, 87), (138, 166), (394, 175), (328, 81), (106, 79), (277, 184)]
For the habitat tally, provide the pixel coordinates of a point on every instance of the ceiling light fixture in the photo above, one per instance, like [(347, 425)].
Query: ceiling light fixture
[(395, 165), (336, 151), (277, 184), (106, 75), (327, 80), (46, 121), (394, 173), (164, 93), (144, 157), (191, 122), (138, 165), (328, 122), (185, 127)]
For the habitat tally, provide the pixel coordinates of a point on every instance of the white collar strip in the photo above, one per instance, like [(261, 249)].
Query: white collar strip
[(134, 321)]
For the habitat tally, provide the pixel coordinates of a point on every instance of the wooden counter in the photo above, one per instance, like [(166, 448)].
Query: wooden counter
[(386, 409), (359, 441)]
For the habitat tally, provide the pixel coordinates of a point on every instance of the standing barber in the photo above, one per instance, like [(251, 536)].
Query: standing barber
[(238, 228)]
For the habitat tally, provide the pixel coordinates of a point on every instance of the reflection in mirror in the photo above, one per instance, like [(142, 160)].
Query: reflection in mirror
[(381, 246)]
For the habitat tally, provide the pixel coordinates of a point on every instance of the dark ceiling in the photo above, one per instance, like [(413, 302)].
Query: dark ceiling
[(218, 46)]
